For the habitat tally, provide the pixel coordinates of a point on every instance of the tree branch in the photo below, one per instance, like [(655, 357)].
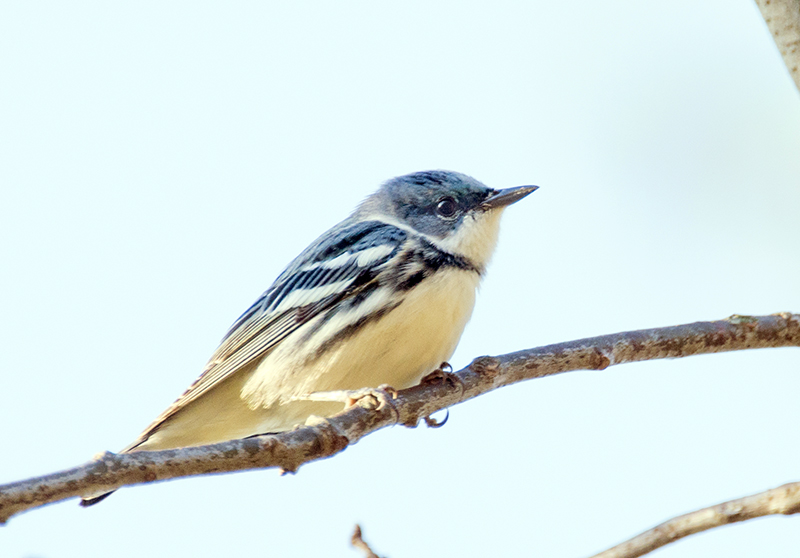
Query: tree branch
[(783, 20), (357, 541), (323, 438), (782, 500)]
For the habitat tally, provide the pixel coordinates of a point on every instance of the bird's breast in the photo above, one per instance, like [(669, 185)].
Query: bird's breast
[(414, 338), (397, 347)]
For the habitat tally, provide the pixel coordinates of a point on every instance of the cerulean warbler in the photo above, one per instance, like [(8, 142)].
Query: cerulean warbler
[(381, 298)]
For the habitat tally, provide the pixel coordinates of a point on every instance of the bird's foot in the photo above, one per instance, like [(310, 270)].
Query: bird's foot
[(369, 398), (443, 374)]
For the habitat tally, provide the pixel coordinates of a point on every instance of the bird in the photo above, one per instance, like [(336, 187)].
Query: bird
[(381, 298)]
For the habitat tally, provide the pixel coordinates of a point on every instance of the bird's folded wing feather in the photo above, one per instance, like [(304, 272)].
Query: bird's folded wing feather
[(332, 269)]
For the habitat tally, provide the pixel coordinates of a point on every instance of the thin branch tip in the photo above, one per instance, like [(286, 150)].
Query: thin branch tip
[(357, 541), (783, 500)]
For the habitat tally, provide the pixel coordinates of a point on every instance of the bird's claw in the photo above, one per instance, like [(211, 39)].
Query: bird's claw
[(371, 398), (431, 422), (375, 399), (443, 374)]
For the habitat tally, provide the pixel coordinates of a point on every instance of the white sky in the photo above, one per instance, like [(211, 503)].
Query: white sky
[(161, 163)]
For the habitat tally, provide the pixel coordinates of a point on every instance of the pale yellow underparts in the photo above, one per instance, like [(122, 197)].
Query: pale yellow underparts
[(397, 349)]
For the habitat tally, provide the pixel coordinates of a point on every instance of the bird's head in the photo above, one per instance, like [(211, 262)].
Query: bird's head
[(453, 210)]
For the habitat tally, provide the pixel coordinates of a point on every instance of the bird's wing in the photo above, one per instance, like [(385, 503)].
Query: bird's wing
[(334, 268)]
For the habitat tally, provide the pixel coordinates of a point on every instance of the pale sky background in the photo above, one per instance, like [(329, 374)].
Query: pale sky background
[(161, 162)]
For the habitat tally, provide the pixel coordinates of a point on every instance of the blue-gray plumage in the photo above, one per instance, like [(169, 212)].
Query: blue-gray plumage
[(381, 298)]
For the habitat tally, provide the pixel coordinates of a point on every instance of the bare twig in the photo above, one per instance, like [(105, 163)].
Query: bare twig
[(782, 500), (358, 542), (326, 437), (783, 20)]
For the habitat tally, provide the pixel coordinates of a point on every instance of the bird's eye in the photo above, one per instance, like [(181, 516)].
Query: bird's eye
[(446, 207)]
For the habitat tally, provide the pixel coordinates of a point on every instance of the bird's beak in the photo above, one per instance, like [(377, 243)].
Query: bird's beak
[(505, 197)]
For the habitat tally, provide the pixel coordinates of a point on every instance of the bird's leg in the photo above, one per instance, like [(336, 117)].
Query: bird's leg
[(369, 398)]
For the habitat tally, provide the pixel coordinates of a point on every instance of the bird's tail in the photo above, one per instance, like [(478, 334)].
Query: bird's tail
[(87, 501), (92, 500)]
